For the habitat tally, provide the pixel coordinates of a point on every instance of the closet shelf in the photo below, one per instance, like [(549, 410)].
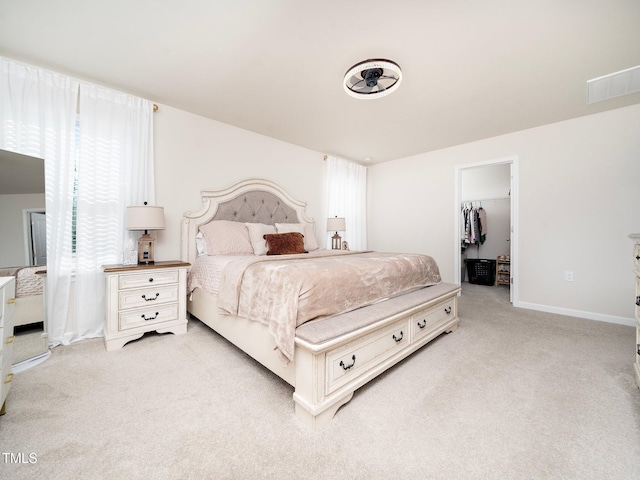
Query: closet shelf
[(503, 270)]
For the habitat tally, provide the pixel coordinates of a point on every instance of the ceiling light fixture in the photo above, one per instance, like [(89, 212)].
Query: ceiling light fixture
[(373, 78)]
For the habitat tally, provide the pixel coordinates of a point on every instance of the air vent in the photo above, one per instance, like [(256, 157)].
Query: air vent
[(613, 85)]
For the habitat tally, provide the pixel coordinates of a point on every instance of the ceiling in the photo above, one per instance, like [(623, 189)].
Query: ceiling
[(471, 70)]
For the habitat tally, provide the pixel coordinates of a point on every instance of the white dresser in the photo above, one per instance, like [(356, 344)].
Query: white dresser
[(144, 298), (7, 300), (636, 266)]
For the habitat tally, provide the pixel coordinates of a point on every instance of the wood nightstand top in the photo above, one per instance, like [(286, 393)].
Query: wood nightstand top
[(133, 267)]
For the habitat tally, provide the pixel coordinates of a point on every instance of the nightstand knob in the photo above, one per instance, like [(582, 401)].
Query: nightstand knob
[(151, 279)]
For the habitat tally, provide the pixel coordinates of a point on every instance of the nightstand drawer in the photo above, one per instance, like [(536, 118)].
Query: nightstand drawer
[(151, 277), (147, 316), (147, 297)]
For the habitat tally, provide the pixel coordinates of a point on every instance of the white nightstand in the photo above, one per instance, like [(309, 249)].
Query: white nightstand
[(144, 298)]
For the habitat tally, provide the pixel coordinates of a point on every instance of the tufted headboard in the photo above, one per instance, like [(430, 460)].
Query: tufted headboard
[(253, 200)]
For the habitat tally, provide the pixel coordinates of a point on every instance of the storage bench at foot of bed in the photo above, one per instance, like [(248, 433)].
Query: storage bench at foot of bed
[(336, 356)]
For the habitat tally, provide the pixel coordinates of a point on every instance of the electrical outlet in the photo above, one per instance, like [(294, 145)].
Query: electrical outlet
[(568, 276)]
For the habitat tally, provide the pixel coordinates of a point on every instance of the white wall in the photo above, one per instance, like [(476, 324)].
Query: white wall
[(578, 200), (488, 181), (193, 153)]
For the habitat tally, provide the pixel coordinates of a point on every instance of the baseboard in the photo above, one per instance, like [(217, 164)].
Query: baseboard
[(599, 317)]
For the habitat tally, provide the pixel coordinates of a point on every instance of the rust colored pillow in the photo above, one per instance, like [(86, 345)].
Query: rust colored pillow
[(285, 243)]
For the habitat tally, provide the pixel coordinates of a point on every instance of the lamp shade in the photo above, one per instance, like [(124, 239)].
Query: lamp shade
[(336, 224), (145, 218)]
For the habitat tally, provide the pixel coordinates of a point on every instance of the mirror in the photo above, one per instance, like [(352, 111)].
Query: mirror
[(23, 252)]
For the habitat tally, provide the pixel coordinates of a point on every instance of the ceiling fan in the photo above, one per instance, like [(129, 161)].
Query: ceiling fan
[(373, 78)]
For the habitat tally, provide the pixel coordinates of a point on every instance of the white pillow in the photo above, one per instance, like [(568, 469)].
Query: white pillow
[(306, 229), (201, 244), (224, 237), (257, 231), (290, 227)]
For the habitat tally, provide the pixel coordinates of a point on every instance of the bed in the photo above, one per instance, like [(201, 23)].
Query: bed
[(334, 334), (29, 305)]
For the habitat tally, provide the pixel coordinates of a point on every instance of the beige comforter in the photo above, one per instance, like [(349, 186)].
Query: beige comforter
[(286, 291)]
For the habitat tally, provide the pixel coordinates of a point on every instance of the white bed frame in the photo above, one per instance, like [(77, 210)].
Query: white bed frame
[(324, 375)]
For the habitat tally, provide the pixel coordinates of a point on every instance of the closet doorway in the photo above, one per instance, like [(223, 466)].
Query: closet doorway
[(488, 190), (35, 226)]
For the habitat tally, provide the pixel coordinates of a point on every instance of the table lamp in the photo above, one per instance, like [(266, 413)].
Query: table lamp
[(336, 224), (145, 218)]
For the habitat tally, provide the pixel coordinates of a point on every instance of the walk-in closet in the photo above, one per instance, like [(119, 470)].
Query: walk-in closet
[(485, 225)]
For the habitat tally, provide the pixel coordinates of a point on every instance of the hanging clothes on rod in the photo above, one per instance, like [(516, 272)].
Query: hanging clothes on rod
[(474, 224)]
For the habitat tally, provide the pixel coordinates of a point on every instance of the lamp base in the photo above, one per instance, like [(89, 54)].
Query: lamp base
[(145, 249), (335, 242)]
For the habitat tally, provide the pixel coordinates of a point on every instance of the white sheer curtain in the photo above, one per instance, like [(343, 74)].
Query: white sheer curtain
[(347, 197), (98, 153), (38, 116), (114, 170)]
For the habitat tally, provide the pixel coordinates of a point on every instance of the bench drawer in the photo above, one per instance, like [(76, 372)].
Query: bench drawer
[(358, 357), (422, 321)]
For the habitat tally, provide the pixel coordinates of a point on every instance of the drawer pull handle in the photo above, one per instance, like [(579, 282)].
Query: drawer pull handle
[(9, 378), (399, 339), (10, 340), (151, 279), (638, 301), (11, 301), (150, 299), (447, 310), (423, 324), (347, 367), (150, 318), (637, 257), (638, 348)]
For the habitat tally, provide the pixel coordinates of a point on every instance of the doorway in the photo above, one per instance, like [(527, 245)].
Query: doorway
[(36, 237), (493, 186)]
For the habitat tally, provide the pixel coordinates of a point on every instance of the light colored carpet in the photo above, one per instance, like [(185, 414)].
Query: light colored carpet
[(511, 394)]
